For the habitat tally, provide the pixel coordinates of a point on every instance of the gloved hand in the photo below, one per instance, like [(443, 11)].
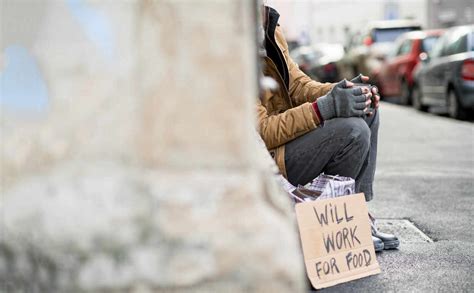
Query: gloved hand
[(343, 101), (360, 79), (375, 91)]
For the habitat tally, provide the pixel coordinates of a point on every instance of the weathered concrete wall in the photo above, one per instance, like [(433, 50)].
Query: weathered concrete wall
[(128, 162)]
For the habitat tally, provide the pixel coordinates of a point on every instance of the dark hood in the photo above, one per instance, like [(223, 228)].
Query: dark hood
[(273, 52)]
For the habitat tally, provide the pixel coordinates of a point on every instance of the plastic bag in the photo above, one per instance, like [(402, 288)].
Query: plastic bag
[(322, 187)]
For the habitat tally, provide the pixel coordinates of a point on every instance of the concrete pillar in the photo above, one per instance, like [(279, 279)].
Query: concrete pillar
[(128, 162)]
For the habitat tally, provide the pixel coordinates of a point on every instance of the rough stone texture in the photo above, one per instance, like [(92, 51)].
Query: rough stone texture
[(141, 174), (108, 225)]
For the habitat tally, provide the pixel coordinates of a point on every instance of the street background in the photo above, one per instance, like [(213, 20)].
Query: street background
[(419, 50), (314, 20), (424, 185)]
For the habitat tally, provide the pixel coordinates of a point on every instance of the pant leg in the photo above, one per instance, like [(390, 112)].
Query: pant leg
[(343, 146), (340, 147), (365, 180)]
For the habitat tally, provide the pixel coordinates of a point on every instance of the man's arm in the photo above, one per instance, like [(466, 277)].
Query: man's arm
[(302, 88), (279, 129)]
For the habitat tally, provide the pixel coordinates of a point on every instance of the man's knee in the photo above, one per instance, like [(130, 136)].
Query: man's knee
[(354, 131), (359, 132)]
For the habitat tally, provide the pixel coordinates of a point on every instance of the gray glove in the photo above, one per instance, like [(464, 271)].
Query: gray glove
[(358, 79), (373, 89), (342, 101)]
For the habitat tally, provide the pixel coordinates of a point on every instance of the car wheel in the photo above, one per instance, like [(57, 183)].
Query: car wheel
[(417, 99), (405, 93), (455, 109)]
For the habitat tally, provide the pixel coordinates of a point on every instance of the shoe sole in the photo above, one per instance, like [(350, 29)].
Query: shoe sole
[(391, 244)]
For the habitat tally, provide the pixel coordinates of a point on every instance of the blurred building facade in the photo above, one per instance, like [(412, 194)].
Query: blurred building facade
[(306, 21), (446, 13)]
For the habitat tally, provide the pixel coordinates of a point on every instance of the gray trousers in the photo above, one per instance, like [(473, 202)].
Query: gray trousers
[(342, 146)]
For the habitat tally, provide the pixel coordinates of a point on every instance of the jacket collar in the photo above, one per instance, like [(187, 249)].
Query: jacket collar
[(273, 51), (271, 20)]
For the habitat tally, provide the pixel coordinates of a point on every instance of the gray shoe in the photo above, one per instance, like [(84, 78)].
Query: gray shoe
[(390, 241), (378, 244)]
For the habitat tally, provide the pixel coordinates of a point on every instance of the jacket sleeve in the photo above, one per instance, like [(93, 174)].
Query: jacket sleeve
[(279, 129), (302, 88)]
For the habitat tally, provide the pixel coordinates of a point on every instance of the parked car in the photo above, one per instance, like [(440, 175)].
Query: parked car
[(366, 52), (305, 57), (396, 74), (445, 77), (319, 61), (324, 68)]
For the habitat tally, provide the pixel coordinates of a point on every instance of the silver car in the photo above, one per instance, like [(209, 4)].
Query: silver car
[(445, 77)]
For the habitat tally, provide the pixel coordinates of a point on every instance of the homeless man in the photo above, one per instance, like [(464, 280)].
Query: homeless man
[(311, 127)]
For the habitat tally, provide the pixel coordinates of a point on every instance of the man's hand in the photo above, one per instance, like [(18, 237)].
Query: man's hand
[(344, 101), (375, 91), (376, 99)]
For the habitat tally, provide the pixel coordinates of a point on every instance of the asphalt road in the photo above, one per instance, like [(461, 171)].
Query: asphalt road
[(425, 174)]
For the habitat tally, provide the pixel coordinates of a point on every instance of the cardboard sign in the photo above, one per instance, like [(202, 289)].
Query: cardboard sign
[(336, 239)]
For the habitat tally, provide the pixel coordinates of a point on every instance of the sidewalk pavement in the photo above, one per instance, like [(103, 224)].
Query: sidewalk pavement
[(425, 177)]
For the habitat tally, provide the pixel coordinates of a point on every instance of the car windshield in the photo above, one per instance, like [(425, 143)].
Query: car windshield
[(309, 56), (428, 43), (390, 34), (330, 51)]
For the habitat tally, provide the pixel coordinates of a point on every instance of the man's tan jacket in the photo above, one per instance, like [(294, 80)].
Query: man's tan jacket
[(287, 113)]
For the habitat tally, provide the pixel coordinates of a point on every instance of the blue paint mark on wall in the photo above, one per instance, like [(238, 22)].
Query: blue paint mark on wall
[(95, 26), (22, 87)]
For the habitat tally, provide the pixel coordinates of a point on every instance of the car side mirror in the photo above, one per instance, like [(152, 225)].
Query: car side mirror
[(424, 57)]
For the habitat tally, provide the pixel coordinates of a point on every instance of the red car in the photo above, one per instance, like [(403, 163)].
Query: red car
[(396, 75)]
